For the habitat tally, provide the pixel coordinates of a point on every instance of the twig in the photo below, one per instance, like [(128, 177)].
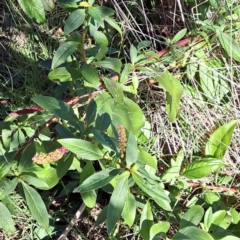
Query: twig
[(219, 189), (73, 222)]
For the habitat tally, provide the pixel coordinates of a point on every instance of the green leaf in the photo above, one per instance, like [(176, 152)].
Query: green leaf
[(174, 93), (56, 107), (208, 218), (64, 164), (114, 24), (160, 198), (220, 140), (146, 221), (100, 38), (98, 180), (64, 74), (117, 201), (111, 63), (36, 205), (146, 158), (105, 140), (74, 21), (192, 217), (235, 215), (158, 230), (82, 148), (179, 35), (133, 54), (102, 122), (5, 163), (115, 89), (124, 75), (91, 112), (6, 221), (231, 47), (202, 168), (89, 198), (190, 233), (9, 188), (34, 180), (129, 210), (102, 217), (34, 9), (101, 52), (48, 5), (63, 52), (90, 74), (131, 150)]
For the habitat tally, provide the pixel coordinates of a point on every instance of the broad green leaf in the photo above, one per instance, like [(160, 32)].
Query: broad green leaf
[(98, 180), (158, 230), (231, 47), (101, 52), (102, 122), (126, 71), (102, 217), (220, 140), (133, 54), (105, 140), (114, 24), (5, 163), (160, 198), (100, 38), (68, 5), (131, 150), (235, 215), (202, 168), (36, 205), (89, 198), (90, 74), (129, 210), (74, 21), (192, 217), (56, 107), (117, 201), (171, 173), (174, 93), (208, 218), (48, 5), (146, 221), (111, 63), (34, 181), (190, 233), (115, 89), (64, 74), (146, 158), (63, 52), (179, 35), (9, 188), (230, 237), (6, 221), (91, 112), (34, 9), (26, 158), (82, 148), (64, 164)]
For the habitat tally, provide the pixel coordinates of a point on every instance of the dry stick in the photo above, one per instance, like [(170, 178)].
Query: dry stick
[(219, 189), (73, 222)]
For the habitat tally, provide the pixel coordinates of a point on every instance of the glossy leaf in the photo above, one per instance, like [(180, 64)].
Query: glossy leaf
[(179, 35), (34, 181), (117, 201), (111, 63), (190, 233), (82, 148), (89, 198), (102, 122), (114, 24), (101, 52), (160, 198), (133, 54), (9, 188), (147, 159), (192, 217), (231, 47), (64, 74), (208, 218), (105, 140), (131, 150), (90, 74), (100, 38), (74, 21), (202, 168), (174, 93), (36, 205), (98, 180), (64, 164), (146, 221), (48, 5), (5, 163), (158, 230), (63, 52), (102, 217), (6, 221), (56, 107), (34, 9), (129, 210), (91, 112), (220, 140)]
